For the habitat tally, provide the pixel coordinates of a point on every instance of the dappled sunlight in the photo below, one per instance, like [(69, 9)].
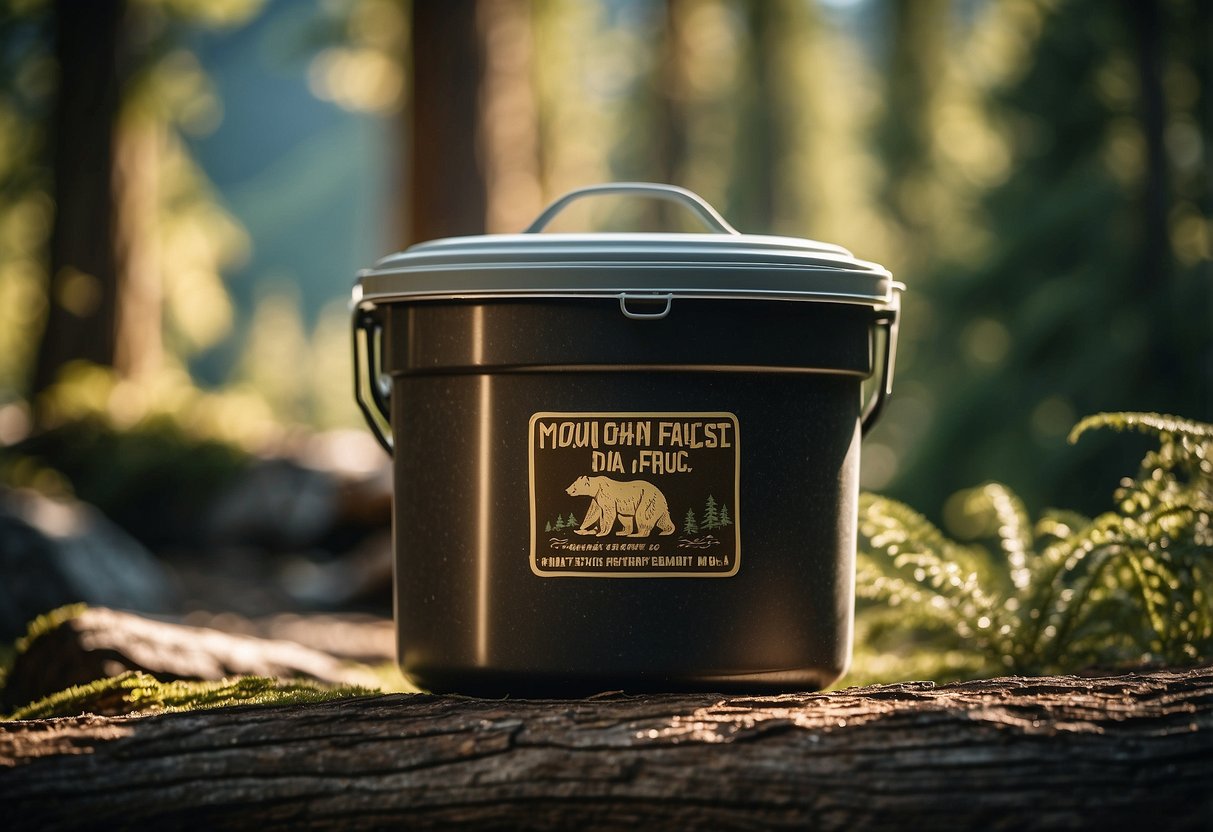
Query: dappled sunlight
[(361, 79), (238, 414), (1036, 172), (365, 72)]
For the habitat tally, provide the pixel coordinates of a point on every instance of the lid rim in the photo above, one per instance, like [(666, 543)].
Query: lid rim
[(639, 293), (604, 265)]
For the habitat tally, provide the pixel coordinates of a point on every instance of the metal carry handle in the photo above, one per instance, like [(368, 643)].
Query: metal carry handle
[(371, 392), (886, 320), (671, 193)]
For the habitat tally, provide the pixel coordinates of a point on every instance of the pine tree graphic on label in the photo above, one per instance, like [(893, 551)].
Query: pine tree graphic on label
[(689, 526), (571, 522), (547, 527), (725, 520), (559, 524), (711, 520)]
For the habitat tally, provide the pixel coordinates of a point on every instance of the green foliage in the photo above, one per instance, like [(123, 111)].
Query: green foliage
[(1064, 593), (132, 692), (1077, 294)]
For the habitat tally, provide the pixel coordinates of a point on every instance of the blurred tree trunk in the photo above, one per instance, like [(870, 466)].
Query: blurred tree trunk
[(1201, 184), (138, 347), (448, 193), (669, 147), (1150, 281), (754, 187), (82, 310), (917, 44), (509, 116), (776, 114), (1145, 22), (473, 124)]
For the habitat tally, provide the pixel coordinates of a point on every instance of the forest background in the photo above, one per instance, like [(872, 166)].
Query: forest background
[(187, 189)]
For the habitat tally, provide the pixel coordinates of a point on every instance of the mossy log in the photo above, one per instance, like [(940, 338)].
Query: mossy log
[(1132, 751), (81, 645)]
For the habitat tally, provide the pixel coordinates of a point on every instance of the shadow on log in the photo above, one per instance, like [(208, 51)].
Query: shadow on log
[(1015, 753)]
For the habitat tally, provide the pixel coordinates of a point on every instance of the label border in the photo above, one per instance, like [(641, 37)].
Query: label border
[(531, 520)]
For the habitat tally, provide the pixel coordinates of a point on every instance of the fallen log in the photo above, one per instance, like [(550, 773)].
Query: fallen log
[(1015, 753), (96, 643)]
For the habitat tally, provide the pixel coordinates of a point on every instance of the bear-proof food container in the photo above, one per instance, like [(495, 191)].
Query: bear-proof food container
[(624, 461)]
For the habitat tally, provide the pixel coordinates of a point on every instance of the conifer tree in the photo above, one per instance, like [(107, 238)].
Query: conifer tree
[(711, 520), (559, 523), (1026, 340), (689, 526), (547, 527), (725, 519), (571, 522)]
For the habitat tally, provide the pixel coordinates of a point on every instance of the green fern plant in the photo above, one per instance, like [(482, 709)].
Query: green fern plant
[(1062, 594)]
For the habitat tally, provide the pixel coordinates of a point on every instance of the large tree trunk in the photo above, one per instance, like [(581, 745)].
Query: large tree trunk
[(1049, 753), (82, 308), (759, 147), (138, 348), (918, 44), (473, 121), (508, 130), (446, 172), (1145, 21)]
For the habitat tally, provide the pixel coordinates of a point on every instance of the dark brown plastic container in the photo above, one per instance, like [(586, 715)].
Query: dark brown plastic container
[(623, 461)]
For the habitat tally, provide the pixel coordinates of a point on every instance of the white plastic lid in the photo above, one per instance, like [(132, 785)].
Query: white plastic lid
[(725, 264)]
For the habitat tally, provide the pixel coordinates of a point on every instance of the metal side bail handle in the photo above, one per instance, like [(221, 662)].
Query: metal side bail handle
[(380, 424), (886, 320)]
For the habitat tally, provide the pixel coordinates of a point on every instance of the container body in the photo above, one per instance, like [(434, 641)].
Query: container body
[(477, 611)]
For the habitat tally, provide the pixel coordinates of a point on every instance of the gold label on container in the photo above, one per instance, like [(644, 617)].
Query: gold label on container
[(635, 495)]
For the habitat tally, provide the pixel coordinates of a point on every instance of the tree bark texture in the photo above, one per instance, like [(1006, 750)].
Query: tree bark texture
[(1118, 752)]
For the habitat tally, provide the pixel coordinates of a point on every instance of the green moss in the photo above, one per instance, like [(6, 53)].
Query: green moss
[(37, 628), (136, 692), (46, 622), (391, 680), (139, 693)]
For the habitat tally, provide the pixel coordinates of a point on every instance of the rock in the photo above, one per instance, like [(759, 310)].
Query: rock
[(323, 492), (55, 552), (361, 576), (277, 504)]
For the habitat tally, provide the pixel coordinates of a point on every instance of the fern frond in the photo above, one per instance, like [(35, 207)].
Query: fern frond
[(1131, 585), (1058, 524), (1002, 510), (1156, 423)]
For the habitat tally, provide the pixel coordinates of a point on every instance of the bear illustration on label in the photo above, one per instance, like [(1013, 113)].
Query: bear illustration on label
[(637, 505)]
